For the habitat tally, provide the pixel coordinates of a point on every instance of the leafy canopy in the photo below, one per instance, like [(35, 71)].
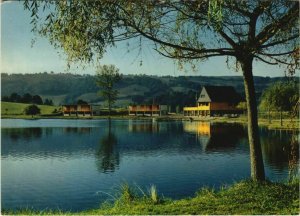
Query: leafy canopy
[(266, 31), (281, 96), (32, 110), (106, 78)]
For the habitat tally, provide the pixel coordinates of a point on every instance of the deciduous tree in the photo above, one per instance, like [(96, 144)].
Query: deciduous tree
[(107, 76), (281, 96), (32, 110), (187, 31)]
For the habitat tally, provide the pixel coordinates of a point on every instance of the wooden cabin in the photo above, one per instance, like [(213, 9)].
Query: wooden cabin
[(150, 110), (214, 101), (77, 110)]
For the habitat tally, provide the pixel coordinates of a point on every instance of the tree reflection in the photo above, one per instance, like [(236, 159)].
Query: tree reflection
[(293, 156), (275, 147), (77, 130), (108, 157), (23, 133), (225, 137)]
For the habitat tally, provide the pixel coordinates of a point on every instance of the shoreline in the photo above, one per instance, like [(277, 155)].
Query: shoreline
[(288, 124)]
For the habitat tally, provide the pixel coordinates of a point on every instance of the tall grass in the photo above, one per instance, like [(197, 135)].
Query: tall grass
[(153, 194)]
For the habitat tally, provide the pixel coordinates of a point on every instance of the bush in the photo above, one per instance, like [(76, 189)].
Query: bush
[(32, 110)]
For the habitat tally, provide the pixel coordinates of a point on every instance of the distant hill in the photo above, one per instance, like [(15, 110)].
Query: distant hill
[(68, 88)]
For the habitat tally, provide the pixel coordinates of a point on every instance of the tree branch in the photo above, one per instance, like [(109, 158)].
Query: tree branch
[(265, 61), (277, 54), (271, 29), (280, 41), (169, 55), (227, 38)]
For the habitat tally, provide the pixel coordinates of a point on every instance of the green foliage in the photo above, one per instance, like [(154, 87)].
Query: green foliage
[(32, 110), (48, 102), (281, 96), (26, 98), (242, 105), (36, 99), (106, 78), (184, 30), (80, 101)]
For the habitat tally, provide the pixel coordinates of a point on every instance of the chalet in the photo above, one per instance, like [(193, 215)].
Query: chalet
[(77, 110), (215, 100), (151, 110)]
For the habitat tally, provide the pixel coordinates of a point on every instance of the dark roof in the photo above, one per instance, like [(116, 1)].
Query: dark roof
[(222, 94)]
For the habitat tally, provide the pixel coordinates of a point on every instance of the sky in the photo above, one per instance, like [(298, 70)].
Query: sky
[(19, 56)]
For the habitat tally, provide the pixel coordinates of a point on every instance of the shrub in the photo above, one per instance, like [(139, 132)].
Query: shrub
[(32, 110)]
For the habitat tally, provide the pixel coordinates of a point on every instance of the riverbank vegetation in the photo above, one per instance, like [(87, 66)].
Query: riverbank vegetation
[(245, 197)]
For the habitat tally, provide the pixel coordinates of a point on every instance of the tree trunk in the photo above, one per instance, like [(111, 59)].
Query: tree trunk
[(109, 107), (280, 117), (269, 115), (257, 165)]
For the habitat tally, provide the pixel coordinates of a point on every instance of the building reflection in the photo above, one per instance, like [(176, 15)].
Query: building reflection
[(146, 126), (216, 137), (108, 156), (280, 149)]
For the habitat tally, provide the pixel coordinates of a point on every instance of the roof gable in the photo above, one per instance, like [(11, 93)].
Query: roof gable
[(219, 94), (204, 97)]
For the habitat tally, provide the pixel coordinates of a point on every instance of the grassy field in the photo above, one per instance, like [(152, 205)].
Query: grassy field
[(17, 109), (245, 197)]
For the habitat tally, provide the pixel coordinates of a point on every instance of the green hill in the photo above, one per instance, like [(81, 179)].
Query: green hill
[(65, 88), (8, 108)]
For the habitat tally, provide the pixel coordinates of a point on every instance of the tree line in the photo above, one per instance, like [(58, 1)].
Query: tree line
[(27, 98)]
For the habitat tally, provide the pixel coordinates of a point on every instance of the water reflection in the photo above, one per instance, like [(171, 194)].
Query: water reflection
[(143, 126), (275, 147), (294, 156), (108, 157), (24, 133), (217, 136), (77, 130), (66, 164), (279, 148)]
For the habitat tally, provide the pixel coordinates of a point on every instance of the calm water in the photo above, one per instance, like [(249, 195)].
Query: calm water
[(72, 164)]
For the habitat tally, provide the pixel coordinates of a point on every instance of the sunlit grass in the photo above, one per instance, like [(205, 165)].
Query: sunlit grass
[(17, 109), (245, 197)]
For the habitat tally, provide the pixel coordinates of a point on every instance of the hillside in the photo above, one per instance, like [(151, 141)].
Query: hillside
[(8, 108), (68, 88)]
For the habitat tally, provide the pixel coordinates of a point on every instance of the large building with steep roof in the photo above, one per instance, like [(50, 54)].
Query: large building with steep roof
[(215, 100)]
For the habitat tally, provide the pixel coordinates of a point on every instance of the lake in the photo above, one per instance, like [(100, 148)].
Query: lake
[(78, 164)]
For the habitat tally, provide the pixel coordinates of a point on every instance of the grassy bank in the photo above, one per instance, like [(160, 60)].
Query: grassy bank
[(245, 197)]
